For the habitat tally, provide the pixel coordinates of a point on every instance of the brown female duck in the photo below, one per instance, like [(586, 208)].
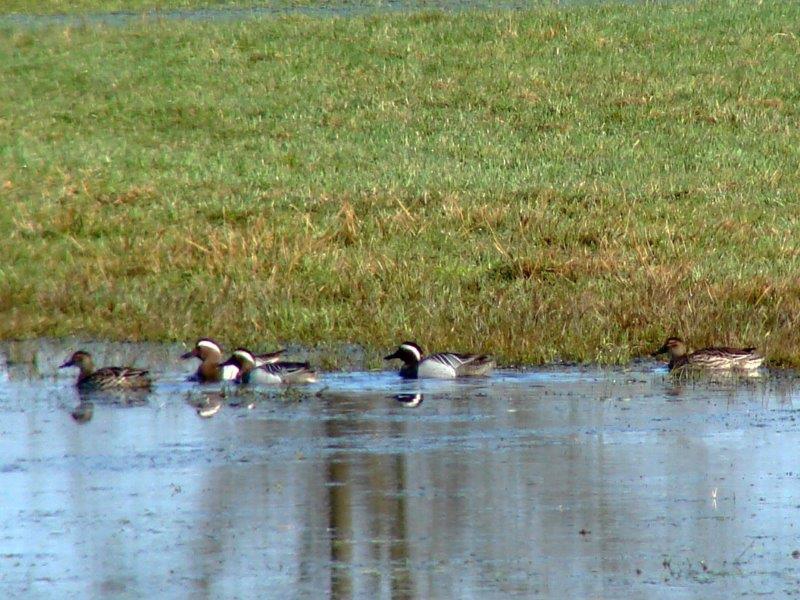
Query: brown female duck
[(712, 358), (107, 378)]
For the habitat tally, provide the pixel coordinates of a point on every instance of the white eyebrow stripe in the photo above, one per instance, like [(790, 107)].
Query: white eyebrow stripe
[(413, 350), (208, 344), (245, 356)]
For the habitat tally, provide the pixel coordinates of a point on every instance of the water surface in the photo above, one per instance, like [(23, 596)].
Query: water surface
[(552, 483)]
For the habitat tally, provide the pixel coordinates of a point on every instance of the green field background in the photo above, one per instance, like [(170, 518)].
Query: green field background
[(570, 183)]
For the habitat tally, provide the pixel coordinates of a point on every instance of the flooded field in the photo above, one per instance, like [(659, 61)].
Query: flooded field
[(555, 483)]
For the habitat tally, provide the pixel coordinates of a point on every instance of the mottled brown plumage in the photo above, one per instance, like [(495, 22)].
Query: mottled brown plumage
[(712, 358), (107, 378)]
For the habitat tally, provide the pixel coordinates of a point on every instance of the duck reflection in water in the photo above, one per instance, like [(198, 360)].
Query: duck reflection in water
[(209, 408), (410, 400), (84, 412), (207, 404)]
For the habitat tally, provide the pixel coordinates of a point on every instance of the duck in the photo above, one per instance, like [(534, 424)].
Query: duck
[(712, 358), (107, 378), (273, 373), (443, 365), (210, 370)]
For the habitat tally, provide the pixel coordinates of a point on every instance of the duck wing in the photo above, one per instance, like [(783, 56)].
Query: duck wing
[(464, 365), (119, 373), (117, 377), (286, 372), (723, 357), (278, 368), (268, 357), (727, 351), (449, 359)]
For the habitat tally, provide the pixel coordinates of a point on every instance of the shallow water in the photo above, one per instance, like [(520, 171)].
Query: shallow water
[(554, 483)]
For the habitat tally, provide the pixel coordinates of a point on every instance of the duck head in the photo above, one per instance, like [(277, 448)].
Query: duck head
[(409, 352), (204, 349), (80, 359), (675, 347), (243, 360)]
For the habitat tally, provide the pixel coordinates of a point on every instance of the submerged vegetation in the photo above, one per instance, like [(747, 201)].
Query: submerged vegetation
[(573, 183)]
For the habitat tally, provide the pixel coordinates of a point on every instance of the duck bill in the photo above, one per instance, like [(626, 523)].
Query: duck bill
[(391, 356), (662, 350), (69, 363), (191, 354)]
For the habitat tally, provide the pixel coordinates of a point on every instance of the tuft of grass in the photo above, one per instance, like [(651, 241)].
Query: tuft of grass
[(559, 183)]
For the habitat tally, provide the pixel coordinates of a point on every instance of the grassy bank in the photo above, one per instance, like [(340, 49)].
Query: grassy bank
[(82, 7), (73, 7), (560, 183)]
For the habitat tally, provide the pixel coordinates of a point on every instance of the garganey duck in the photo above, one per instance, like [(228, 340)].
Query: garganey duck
[(444, 365), (272, 373), (107, 378), (210, 369), (714, 358)]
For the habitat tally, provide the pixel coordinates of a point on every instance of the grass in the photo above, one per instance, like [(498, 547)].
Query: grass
[(77, 7), (82, 7), (572, 183)]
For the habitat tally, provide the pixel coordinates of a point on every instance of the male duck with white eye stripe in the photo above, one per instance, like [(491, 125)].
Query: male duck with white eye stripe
[(210, 369), (444, 365), (274, 373)]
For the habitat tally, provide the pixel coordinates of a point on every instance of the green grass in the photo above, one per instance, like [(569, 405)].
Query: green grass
[(81, 7), (73, 7), (570, 183)]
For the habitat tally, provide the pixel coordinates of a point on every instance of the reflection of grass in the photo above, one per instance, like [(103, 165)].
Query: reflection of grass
[(573, 183), (696, 374)]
